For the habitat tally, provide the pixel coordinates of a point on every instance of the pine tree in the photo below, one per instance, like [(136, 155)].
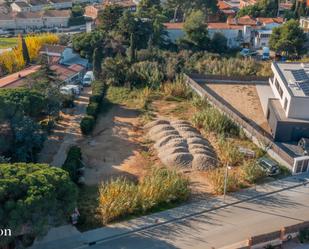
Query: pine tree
[(132, 49), (97, 62), (25, 51)]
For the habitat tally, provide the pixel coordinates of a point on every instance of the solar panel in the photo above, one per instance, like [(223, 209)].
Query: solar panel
[(302, 79)]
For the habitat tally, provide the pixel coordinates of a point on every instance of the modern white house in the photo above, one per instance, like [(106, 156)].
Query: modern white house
[(261, 38)]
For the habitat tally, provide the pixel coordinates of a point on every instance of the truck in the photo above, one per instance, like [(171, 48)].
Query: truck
[(265, 54)]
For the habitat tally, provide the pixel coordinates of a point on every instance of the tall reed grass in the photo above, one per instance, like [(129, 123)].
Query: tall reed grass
[(121, 197)]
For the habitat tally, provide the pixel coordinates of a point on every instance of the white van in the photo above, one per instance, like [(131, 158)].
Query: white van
[(88, 78)]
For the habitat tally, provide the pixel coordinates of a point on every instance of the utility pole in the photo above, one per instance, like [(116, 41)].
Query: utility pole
[(225, 180)]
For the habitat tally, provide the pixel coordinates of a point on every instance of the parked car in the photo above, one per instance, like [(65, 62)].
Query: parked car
[(265, 54), (88, 78), (304, 145), (246, 52), (70, 90), (270, 167)]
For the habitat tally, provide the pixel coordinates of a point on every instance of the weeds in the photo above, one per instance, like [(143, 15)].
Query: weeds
[(176, 89), (121, 197)]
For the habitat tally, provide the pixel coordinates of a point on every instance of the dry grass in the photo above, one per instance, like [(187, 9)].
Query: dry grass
[(121, 197)]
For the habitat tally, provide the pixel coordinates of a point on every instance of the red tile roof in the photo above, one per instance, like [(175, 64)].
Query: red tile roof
[(62, 72), (223, 5), (223, 25), (172, 25), (77, 68)]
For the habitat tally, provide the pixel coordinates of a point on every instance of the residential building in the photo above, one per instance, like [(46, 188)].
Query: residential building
[(61, 4), (85, 1), (252, 32), (92, 11), (4, 9), (246, 3), (304, 23), (38, 5), (69, 75), (226, 8), (63, 55), (126, 4), (32, 21), (20, 7), (288, 110)]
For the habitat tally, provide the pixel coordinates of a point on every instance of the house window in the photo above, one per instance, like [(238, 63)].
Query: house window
[(279, 89), (285, 103)]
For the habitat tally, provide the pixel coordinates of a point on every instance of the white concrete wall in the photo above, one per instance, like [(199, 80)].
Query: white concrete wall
[(29, 23), (64, 5), (7, 24), (297, 107), (51, 22), (174, 34), (230, 34)]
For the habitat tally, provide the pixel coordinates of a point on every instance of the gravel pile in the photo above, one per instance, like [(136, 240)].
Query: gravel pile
[(180, 145)]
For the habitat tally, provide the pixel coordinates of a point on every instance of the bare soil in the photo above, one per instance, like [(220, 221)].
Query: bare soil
[(243, 98), (115, 147)]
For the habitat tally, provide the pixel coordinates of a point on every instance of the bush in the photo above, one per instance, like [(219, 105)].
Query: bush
[(213, 120), (73, 163), (87, 124), (177, 89), (47, 125), (304, 235), (252, 172), (229, 153), (67, 101), (216, 179), (93, 109), (121, 197)]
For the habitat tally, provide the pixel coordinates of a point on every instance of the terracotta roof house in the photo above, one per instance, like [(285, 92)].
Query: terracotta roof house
[(71, 74)]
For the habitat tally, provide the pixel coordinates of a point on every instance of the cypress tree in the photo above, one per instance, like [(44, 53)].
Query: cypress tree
[(25, 51), (132, 52), (97, 62)]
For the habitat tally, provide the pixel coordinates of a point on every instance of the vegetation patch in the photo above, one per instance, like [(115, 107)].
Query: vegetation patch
[(121, 197)]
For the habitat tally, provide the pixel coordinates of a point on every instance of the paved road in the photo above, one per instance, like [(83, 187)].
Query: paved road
[(223, 226), (271, 207)]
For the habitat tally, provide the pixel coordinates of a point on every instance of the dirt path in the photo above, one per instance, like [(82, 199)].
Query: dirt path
[(66, 133), (115, 148)]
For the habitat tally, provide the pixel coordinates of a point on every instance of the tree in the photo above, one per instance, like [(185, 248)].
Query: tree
[(34, 197), (289, 39), (97, 62), (196, 33), (132, 52), (219, 43), (25, 51), (263, 8), (109, 17)]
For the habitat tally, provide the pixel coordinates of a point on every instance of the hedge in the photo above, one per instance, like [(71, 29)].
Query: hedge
[(73, 163), (98, 91), (87, 124)]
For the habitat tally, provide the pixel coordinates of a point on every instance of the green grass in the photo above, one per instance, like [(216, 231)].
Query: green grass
[(8, 42)]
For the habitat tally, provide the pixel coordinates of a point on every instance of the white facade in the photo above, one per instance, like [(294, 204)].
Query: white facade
[(22, 7), (289, 91), (261, 38), (7, 22), (233, 36), (61, 5)]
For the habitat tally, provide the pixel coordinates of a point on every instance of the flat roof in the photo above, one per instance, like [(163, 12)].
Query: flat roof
[(295, 76)]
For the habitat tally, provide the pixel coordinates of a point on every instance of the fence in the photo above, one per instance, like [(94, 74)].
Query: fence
[(255, 132)]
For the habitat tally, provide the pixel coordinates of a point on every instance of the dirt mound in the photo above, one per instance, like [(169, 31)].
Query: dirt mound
[(156, 122), (180, 145), (203, 162), (159, 128), (165, 140), (181, 160)]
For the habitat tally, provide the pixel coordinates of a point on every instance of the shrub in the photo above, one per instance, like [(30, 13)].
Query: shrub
[(213, 120), (304, 235), (177, 89), (93, 109), (73, 163), (67, 101), (121, 197), (229, 153), (216, 179), (47, 125), (87, 124), (252, 172)]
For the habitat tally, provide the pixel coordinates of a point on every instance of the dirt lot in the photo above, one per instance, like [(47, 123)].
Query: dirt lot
[(115, 148), (243, 98)]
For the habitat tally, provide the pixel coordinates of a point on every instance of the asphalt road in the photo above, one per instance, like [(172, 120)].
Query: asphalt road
[(222, 227)]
